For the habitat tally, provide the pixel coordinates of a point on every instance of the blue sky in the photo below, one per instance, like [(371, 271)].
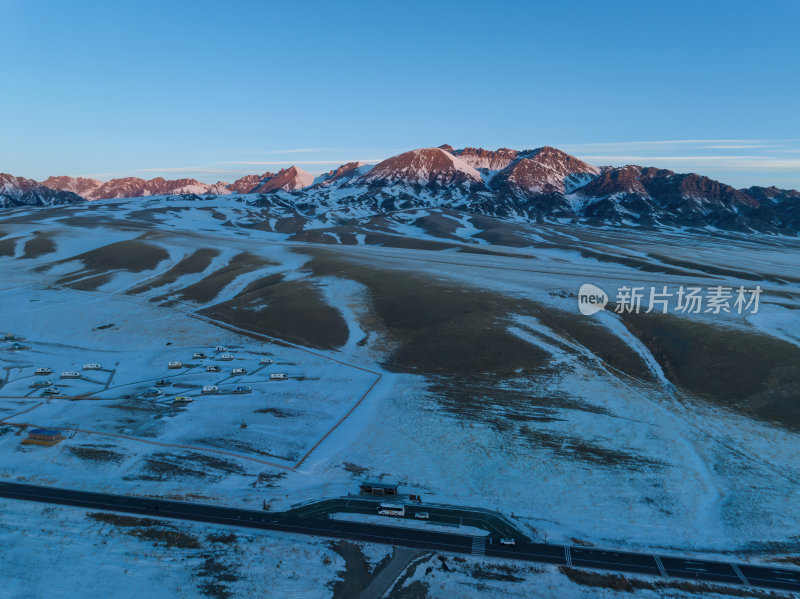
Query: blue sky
[(213, 90)]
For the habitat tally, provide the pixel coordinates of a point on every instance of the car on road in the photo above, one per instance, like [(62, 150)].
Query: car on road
[(422, 516), (508, 541)]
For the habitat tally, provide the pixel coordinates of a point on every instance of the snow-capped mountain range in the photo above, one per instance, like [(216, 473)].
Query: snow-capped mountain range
[(535, 185), (19, 191)]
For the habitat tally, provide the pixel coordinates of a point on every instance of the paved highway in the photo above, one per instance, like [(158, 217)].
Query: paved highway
[(320, 525), (492, 522)]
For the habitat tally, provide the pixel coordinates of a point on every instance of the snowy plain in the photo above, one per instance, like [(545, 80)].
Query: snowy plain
[(686, 476)]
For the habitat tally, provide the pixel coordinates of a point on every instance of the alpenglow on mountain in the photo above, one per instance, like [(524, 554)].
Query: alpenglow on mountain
[(540, 185)]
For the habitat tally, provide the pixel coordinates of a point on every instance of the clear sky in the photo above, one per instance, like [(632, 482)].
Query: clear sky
[(216, 89)]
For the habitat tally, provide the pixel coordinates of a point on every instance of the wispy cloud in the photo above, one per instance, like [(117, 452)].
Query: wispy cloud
[(738, 147), (185, 169), (738, 159), (301, 162), (655, 144), (719, 163), (237, 168), (294, 151)]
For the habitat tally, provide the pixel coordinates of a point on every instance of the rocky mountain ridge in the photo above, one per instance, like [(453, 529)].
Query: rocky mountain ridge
[(539, 185)]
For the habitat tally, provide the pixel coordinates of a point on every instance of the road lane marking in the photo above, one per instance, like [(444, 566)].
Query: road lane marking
[(740, 575), (478, 546), (660, 566)]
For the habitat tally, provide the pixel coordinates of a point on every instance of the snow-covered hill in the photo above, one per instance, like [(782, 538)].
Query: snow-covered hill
[(669, 432)]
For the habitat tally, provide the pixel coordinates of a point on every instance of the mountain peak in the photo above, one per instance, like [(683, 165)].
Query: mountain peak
[(493, 160), (424, 166), (544, 170), (287, 179), (248, 182), (81, 185), (560, 161), (346, 171)]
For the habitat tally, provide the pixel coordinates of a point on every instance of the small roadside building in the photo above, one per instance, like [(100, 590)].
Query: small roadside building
[(43, 436), (379, 488)]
